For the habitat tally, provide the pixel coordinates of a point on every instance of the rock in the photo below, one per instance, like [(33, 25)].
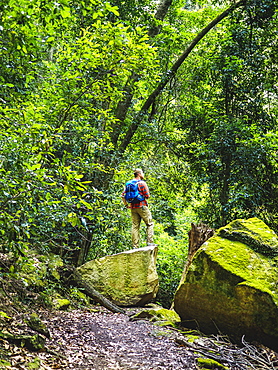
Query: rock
[(60, 303), (157, 314), (207, 363), (231, 285), (127, 279), (32, 342), (35, 323)]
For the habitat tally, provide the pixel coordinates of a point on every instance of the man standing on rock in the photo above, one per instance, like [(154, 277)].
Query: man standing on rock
[(134, 197)]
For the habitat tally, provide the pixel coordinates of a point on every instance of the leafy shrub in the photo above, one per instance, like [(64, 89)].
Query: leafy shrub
[(170, 262), (34, 269)]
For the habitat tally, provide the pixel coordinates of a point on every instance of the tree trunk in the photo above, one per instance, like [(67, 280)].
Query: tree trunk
[(160, 14), (225, 188), (198, 234), (82, 253), (124, 105)]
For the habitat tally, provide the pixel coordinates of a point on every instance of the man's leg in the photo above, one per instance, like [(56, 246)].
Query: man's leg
[(136, 219), (146, 215)]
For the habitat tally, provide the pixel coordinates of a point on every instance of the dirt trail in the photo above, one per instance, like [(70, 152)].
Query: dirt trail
[(103, 340), (97, 339)]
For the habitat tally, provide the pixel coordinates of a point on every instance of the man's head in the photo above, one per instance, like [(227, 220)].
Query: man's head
[(139, 173)]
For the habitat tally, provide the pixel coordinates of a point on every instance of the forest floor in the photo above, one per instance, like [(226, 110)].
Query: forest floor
[(93, 338), (103, 340), (97, 339)]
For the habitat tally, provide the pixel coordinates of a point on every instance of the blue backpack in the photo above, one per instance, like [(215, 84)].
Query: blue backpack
[(132, 194)]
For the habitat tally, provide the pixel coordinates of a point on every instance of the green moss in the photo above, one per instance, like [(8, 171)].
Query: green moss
[(3, 314), (79, 297), (126, 278), (229, 282), (34, 342), (254, 233), (165, 323), (249, 267), (191, 335), (35, 323), (61, 303), (208, 363), (34, 364), (160, 333), (158, 314), (192, 338)]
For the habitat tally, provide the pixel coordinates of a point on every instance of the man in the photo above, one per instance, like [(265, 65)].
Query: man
[(140, 210)]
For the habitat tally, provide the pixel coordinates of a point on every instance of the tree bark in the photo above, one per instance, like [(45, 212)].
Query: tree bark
[(171, 73), (160, 14), (198, 234)]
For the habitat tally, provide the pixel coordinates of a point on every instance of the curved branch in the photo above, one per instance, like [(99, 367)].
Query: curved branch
[(172, 72)]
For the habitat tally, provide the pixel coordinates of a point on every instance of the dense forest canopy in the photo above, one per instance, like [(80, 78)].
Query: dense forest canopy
[(91, 89)]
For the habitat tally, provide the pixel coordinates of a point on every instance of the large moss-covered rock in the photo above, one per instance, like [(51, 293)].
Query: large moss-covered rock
[(231, 285), (128, 278)]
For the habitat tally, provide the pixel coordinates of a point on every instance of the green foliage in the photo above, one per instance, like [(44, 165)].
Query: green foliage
[(4, 363), (74, 76), (170, 263), (56, 122), (3, 314), (221, 124), (76, 295), (35, 270)]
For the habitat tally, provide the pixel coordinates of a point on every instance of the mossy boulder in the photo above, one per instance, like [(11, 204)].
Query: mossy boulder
[(127, 279), (60, 303), (158, 314), (34, 342), (35, 323), (231, 285)]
